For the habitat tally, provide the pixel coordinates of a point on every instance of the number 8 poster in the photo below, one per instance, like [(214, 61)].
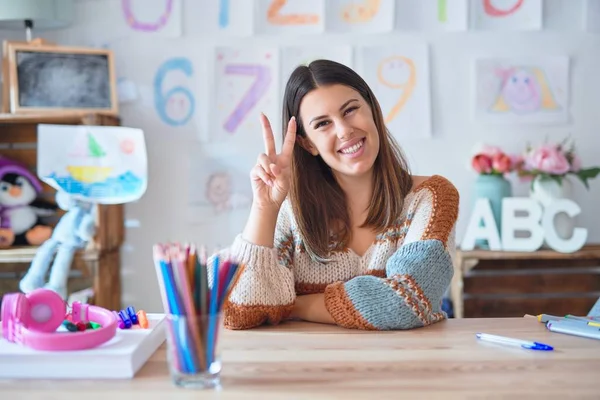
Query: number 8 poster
[(245, 84), (399, 77)]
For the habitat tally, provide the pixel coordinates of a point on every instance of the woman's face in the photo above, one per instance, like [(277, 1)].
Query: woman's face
[(340, 128)]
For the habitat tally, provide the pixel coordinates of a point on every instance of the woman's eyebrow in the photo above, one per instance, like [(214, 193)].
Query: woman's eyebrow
[(325, 116)]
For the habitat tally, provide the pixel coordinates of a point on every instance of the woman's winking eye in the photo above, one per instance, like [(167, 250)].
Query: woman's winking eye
[(346, 112)]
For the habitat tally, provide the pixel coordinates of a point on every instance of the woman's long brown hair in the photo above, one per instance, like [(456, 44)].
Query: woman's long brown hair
[(318, 202)]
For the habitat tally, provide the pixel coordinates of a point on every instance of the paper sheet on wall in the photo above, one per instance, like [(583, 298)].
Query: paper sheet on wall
[(102, 164), (440, 15), (399, 77), (592, 16), (219, 17), (507, 15), (529, 90), (219, 185), (364, 16), (289, 16), (293, 56), (246, 83), (161, 18)]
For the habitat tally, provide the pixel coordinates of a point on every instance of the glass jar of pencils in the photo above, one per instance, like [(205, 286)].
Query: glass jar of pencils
[(193, 351)]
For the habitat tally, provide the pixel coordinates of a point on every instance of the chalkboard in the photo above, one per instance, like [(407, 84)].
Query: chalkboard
[(52, 78)]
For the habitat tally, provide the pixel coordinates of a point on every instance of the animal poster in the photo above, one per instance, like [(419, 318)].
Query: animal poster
[(150, 17), (507, 15), (364, 16), (246, 83), (290, 16), (219, 185), (292, 57), (102, 164), (534, 90), (399, 77)]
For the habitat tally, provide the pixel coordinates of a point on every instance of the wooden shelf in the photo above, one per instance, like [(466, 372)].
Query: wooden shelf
[(590, 251), (51, 118), (25, 254)]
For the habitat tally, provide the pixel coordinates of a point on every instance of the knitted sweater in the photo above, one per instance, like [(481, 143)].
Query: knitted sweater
[(397, 284)]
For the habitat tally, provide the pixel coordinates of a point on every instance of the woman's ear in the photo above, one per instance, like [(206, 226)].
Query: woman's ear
[(307, 145)]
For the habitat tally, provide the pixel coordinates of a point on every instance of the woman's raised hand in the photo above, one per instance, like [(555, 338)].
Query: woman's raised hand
[(270, 176)]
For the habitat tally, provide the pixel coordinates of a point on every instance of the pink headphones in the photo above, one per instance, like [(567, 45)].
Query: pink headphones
[(32, 320)]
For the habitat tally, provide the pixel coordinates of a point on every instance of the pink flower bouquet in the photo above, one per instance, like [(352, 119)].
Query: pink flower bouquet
[(491, 160), (553, 161)]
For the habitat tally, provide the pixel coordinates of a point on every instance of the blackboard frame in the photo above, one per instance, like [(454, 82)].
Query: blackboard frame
[(10, 90)]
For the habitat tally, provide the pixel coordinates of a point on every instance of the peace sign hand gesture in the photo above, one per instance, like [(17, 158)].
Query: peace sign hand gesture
[(270, 177)]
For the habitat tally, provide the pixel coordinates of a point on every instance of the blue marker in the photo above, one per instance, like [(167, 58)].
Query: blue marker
[(513, 342), (132, 315), (125, 319)]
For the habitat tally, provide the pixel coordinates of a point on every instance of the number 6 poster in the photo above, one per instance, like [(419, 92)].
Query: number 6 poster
[(399, 77), (245, 84)]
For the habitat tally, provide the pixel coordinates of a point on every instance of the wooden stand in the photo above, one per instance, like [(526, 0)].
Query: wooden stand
[(489, 284), (98, 266)]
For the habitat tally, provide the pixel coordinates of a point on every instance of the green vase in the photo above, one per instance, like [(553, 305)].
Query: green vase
[(495, 188)]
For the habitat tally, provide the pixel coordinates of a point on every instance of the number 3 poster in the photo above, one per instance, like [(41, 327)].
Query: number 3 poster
[(245, 84), (399, 77)]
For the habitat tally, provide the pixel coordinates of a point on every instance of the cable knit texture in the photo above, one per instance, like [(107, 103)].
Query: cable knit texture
[(397, 284)]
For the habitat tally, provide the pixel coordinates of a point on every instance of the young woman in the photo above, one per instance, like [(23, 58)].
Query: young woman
[(339, 231)]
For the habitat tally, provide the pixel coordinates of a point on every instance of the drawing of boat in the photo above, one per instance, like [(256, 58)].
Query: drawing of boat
[(85, 172)]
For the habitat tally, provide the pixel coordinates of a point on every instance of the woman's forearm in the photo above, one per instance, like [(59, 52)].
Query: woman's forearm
[(311, 307), (260, 227)]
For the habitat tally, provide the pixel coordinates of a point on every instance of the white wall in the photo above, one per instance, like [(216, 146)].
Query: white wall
[(162, 212)]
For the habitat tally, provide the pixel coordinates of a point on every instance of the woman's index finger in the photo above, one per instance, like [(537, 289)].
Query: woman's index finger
[(290, 138), (268, 137)]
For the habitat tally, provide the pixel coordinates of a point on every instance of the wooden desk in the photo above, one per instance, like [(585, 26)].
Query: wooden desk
[(312, 361), (543, 281)]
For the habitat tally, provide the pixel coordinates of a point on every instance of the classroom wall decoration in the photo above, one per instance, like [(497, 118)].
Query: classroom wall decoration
[(158, 18), (367, 16), (290, 16), (246, 83), (507, 14), (522, 91), (399, 77)]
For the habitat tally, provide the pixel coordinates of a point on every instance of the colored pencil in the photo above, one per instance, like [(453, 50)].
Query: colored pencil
[(189, 289)]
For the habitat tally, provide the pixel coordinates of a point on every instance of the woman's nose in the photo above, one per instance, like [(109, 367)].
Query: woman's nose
[(344, 130)]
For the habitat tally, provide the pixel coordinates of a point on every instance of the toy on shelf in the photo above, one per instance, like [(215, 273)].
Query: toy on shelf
[(73, 232), (128, 318), (21, 211)]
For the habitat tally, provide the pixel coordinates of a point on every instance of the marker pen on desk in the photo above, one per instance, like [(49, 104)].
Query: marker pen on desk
[(569, 318), (574, 328), (486, 337)]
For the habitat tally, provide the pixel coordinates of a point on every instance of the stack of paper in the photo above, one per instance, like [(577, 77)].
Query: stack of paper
[(119, 358)]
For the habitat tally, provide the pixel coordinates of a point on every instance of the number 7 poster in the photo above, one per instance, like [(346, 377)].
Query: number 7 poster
[(245, 84)]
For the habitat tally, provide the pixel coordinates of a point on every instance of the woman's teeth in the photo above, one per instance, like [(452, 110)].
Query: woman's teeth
[(354, 148)]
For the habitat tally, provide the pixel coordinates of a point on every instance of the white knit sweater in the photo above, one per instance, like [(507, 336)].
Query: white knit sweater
[(397, 284)]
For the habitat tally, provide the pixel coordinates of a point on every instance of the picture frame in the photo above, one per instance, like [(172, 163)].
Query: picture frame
[(40, 77)]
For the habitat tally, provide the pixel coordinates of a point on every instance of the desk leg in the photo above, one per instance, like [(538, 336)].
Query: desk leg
[(456, 288)]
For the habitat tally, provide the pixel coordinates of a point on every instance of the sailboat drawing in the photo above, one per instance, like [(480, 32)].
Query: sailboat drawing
[(88, 155)]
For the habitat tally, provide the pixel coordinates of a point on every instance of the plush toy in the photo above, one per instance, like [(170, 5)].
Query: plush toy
[(74, 230), (20, 209)]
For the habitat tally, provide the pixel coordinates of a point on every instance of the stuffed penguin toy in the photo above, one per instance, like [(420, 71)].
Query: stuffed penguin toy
[(20, 209)]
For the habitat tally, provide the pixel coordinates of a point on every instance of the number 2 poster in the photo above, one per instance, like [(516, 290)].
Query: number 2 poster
[(245, 84)]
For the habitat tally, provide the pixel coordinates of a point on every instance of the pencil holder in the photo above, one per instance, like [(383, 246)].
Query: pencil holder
[(193, 351)]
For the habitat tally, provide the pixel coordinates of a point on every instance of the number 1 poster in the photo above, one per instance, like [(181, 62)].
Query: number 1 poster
[(246, 83)]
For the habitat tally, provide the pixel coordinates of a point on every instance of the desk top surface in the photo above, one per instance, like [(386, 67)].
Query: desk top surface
[(303, 360)]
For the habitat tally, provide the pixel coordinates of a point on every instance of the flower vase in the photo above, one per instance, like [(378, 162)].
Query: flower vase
[(495, 188), (545, 191)]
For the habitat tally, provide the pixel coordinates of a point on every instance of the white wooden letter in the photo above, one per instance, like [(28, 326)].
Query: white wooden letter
[(579, 237), (530, 223), (489, 230)]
